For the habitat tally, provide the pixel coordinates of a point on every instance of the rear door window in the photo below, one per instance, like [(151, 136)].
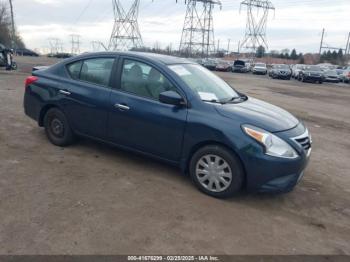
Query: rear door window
[(97, 71), (74, 69)]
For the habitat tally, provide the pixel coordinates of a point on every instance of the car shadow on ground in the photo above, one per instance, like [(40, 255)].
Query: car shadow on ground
[(114, 154)]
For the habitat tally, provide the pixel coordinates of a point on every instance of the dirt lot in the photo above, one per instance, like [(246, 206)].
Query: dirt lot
[(94, 199)]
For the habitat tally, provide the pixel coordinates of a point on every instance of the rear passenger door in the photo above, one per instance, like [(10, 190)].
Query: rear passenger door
[(85, 95)]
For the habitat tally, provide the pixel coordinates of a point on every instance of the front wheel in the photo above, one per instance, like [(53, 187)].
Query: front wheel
[(216, 171), (57, 128)]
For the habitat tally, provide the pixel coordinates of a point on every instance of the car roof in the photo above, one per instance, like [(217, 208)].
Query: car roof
[(164, 59)]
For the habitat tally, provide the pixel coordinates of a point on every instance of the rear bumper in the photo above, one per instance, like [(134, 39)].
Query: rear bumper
[(31, 106)]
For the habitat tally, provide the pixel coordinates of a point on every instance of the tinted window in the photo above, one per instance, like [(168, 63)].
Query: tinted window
[(143, 80), (97, 71), (74, 69)]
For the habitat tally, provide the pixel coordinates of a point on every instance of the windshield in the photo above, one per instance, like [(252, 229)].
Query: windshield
[(281, 66), (313, 68), (260, 65), (207, 85)]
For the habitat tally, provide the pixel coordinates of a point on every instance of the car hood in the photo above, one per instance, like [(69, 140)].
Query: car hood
[(260, 68), (258, 113)]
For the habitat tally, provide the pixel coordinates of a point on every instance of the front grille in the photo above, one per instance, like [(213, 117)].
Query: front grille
[(304, 140)]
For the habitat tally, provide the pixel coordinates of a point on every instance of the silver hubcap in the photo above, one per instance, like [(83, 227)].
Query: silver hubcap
[(214, 173)]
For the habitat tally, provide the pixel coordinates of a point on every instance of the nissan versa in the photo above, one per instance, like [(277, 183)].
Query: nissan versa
[(174, 110)]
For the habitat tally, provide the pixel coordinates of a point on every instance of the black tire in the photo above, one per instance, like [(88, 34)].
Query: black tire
[(233, 162), (57, 128)]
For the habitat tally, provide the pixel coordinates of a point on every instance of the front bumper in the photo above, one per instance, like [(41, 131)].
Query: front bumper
[(280, 76), (261, 72), (332, 80), (272, 174), (313, 78)]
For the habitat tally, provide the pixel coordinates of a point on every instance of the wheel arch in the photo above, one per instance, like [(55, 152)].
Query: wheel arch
[(202, 144), (43, 112)]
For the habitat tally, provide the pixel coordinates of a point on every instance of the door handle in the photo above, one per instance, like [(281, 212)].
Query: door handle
[(122, 107), (66, 93)]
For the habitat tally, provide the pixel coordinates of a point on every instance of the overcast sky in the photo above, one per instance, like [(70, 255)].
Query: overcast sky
[(295, 24)]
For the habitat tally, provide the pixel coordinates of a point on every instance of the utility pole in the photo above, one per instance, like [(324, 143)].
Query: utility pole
[(257, 15), (75, 41), (198, 30), (321, 45), (228, 46), (218, 46), (126, 33), (347, 49), (325, 46), (13, 31)]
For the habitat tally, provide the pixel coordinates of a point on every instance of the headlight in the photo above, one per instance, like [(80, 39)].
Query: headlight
[(274, 146)]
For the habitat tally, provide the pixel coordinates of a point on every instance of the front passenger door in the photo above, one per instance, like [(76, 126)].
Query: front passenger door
[(138, 119)]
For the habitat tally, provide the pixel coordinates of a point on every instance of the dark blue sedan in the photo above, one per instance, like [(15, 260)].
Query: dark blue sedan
[(173, 110)]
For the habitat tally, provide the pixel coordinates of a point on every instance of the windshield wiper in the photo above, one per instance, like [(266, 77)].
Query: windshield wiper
[(236, 99), (213, 101)]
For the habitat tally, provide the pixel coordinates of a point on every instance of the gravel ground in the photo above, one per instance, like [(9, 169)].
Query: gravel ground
[(94, 199)]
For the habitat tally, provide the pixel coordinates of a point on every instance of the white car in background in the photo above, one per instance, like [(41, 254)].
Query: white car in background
[(260, 68), (296, 70), (346, 75)]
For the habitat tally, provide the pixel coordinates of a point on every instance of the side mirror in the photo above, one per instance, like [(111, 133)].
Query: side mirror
[(171, 98)]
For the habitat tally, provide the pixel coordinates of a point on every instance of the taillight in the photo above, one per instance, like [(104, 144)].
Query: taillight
[(30, 80)]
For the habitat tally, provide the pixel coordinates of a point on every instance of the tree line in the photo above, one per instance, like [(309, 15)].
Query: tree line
[(334, 57), (283, 54), (5, 28)]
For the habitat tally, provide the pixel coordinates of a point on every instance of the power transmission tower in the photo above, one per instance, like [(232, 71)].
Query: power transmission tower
[(97, 46), (75, 41), (126, 33), (257, 15), (198, 31), (56, 46), (13, 30)]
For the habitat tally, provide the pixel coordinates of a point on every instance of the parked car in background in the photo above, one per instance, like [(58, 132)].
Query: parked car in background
[(225, 66), (173, 110), (25, 52), (210, 64), (331, 76), (346, 75), (280, 72), (296, 69), (240, 66), (311, 73), (260, 69)]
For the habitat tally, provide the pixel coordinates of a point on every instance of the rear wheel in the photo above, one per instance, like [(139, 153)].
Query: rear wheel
[(57, 128), (216, 171)]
